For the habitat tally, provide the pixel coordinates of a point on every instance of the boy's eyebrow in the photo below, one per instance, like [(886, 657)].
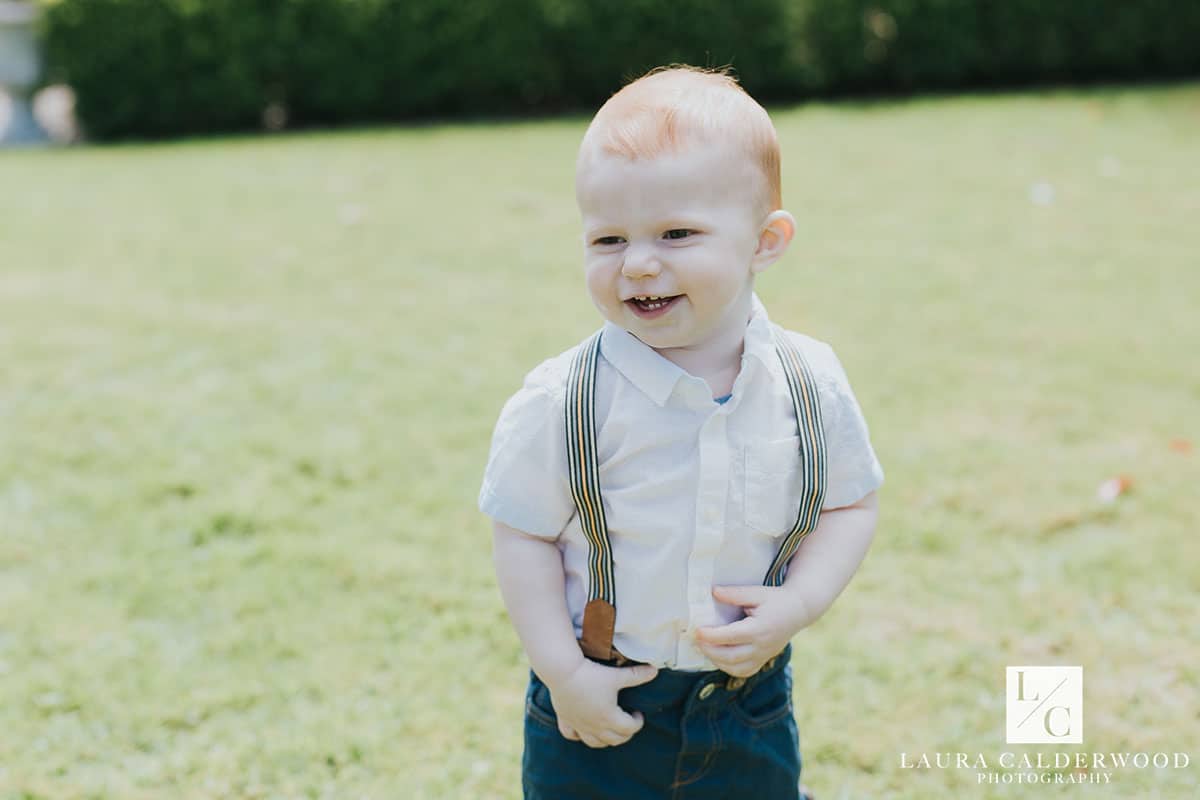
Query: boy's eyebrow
[(602, 230), (667, 223)]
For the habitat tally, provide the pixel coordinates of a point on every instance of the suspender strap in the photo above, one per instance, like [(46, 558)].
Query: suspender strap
[(807, 408), (599, 615)]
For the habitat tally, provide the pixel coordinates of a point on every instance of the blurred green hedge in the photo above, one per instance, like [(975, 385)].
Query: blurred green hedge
[(850, 45), (150, 68)]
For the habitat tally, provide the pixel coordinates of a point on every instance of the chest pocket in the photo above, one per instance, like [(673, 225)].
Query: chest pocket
[(773, 484)]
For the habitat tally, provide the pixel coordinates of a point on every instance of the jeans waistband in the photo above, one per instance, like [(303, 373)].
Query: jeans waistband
[(673, 687)]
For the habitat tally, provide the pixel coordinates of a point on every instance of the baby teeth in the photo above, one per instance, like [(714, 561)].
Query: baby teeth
[(651, 302)]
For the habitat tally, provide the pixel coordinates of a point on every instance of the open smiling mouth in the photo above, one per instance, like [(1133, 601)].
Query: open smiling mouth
[(652, 306)]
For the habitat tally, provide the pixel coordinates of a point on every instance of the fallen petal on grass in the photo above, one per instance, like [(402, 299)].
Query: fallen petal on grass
[(1111, 489), (1041, 193)]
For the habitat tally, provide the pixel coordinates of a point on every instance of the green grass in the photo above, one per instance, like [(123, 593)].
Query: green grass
[(247, 387)]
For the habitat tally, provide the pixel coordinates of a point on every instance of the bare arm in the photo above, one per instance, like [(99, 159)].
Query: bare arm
[(584, 693), (530, 573), (829, 557), (816, 575)]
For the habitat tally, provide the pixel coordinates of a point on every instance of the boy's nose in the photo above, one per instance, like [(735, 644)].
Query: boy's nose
[(640, 262)]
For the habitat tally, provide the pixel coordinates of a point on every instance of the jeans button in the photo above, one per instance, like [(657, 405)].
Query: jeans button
[(707, 691)]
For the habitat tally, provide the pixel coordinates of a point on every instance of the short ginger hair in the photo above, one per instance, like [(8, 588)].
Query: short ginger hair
[(670, 106)]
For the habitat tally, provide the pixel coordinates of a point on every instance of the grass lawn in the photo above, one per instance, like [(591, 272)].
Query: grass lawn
[(247, 387)]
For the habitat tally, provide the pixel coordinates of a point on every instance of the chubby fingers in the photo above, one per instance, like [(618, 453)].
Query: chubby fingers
[(731, 653), (634, 676), (741, 669), (592, 741), (619, 731), (632, 723), (744, 631), (622, 728), (738, 660), (611, 739), (607, 738)]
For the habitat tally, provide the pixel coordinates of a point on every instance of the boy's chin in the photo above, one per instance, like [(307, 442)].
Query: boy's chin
[(650, 332), (657, 339)]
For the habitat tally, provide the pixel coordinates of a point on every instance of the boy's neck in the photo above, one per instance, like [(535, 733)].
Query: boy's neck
[(717, 360)]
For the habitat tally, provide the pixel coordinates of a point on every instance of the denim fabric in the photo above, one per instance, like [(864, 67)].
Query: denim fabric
[(733, 744)]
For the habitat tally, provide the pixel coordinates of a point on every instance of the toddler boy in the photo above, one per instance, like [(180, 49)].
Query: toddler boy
[(650, 488)]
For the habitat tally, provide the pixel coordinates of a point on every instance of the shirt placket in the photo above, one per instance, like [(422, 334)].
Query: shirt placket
[(709, 532)]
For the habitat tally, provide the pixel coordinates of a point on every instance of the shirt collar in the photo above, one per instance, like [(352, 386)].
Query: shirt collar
[(655, 376), (760, 341)]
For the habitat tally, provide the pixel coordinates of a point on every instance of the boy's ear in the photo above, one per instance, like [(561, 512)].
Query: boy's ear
[(777, 231)]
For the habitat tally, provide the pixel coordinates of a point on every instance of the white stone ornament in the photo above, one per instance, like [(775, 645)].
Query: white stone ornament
[(20, 67)]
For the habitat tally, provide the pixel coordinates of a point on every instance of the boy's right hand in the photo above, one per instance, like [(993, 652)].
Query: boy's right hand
[(585, 702)]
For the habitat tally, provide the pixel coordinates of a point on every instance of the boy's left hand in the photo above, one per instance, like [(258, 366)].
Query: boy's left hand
[(741, 648)]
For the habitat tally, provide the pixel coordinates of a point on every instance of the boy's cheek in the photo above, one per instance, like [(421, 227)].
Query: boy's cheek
[(604, 296), (597, 284)]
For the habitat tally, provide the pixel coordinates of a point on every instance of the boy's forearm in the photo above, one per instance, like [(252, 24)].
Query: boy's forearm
[(829, 557), (532, 582)]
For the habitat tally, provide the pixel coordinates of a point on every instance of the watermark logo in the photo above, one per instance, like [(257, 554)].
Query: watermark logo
[(1044, 705)]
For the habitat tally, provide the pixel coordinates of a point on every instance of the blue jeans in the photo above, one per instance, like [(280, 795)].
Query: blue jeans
[(697, 743)]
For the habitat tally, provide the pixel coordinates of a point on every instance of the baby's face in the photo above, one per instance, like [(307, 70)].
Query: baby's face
[(683, 227)]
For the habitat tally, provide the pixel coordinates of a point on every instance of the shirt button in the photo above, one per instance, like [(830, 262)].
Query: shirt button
[(707, 691)]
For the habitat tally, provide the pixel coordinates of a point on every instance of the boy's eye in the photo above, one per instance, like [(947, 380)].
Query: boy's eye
[(678, 233), (609, 240)]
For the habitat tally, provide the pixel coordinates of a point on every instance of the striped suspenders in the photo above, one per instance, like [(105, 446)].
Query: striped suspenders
[(807, 408), (599, 615)]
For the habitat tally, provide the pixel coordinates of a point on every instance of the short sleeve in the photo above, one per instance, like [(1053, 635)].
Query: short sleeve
[(525, 483), (852, 468)]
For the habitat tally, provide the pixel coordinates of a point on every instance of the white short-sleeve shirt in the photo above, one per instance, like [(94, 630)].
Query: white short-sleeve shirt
[(696, 493)]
